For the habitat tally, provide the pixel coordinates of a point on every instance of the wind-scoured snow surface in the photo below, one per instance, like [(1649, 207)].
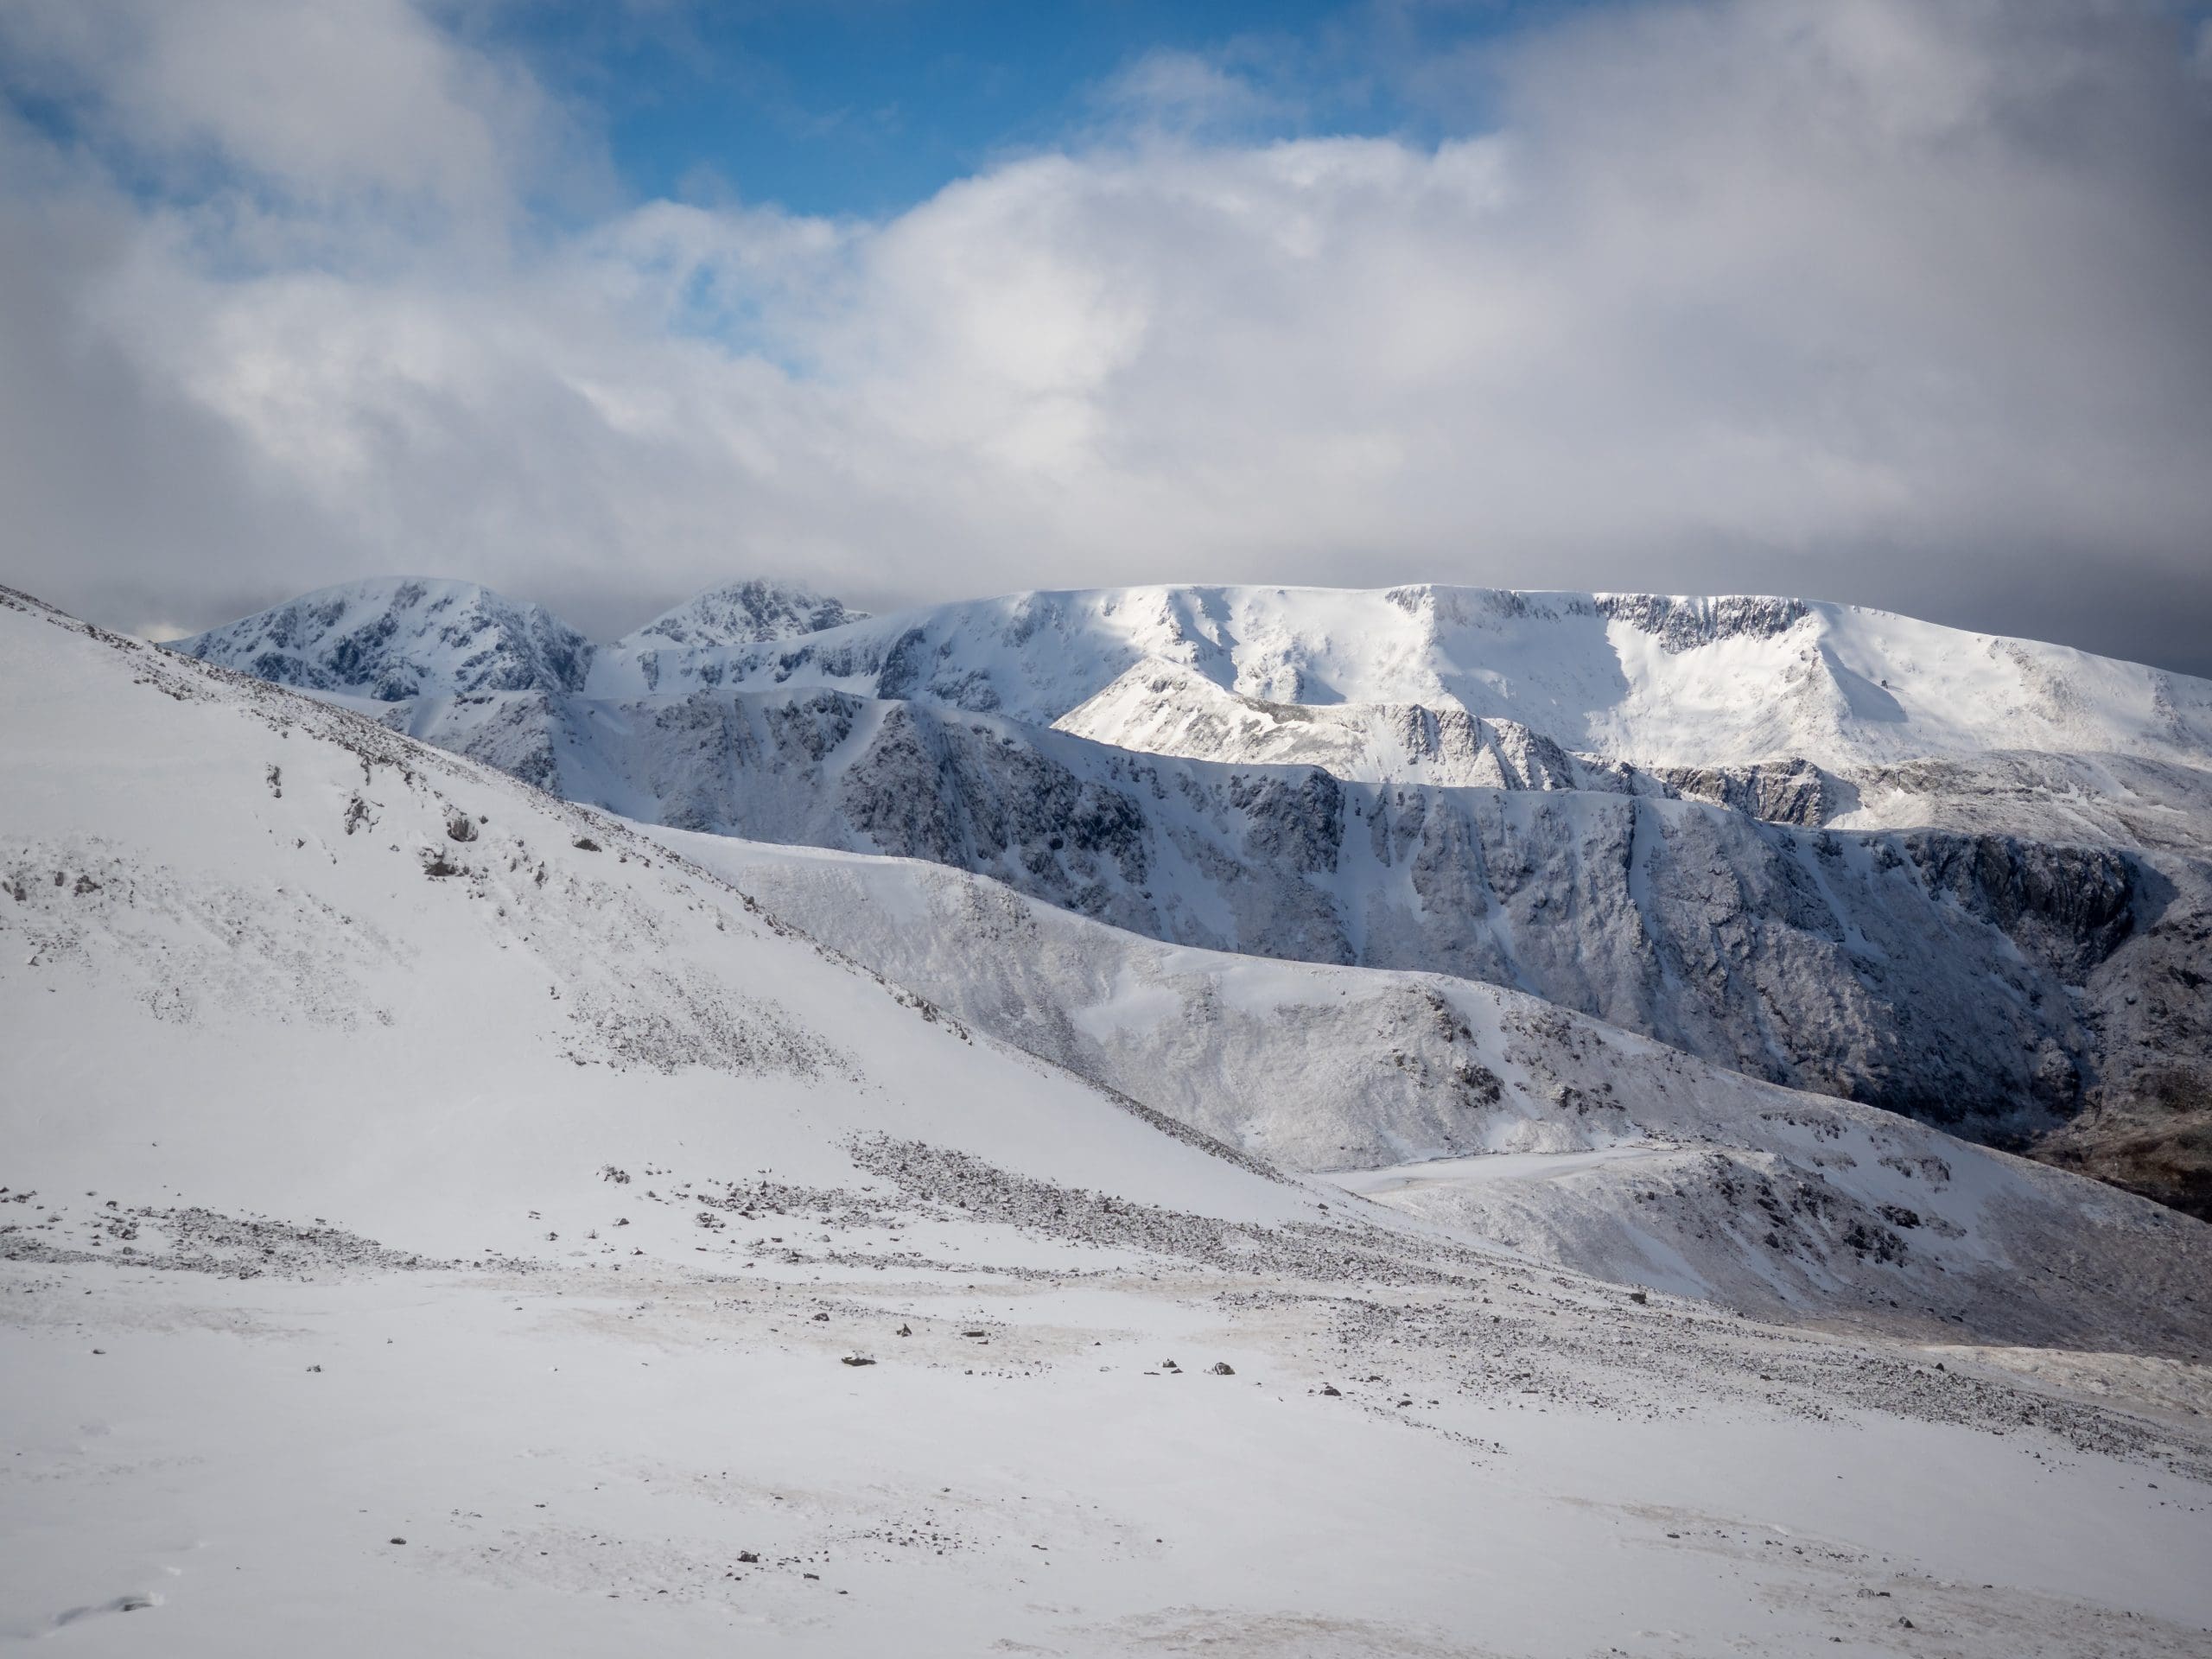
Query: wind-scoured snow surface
[(439, 1218)]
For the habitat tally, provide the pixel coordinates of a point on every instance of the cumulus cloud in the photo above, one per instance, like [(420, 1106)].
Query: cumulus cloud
[(1858, 298)]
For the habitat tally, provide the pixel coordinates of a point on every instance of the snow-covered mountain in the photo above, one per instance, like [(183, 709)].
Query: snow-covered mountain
[(393, 638), (330, 886), (743, 613), (1955, 977), (686, 645), (1647, 679), (434, 1216), (1572, 795), (1241, 673)]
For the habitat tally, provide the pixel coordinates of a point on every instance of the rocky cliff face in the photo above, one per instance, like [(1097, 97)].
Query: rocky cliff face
[(1780, 792)]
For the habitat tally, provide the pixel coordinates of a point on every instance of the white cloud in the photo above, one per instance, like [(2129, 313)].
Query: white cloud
[(1186, 92), (1892, 302), (336, 133)]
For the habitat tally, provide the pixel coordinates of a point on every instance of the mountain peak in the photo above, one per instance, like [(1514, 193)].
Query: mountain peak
[(744, 612), (392, 637)]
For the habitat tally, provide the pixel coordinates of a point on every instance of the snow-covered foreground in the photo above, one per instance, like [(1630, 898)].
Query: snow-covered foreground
[(582, 1464), (392, 1152)]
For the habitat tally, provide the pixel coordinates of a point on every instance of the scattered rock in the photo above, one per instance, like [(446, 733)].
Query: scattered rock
[(855, 1359), (1221, 1368)]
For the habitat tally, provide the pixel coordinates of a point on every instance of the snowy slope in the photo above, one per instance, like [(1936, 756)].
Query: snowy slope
[(427, 1232), (400, 989), (1161, 708), (1595, 1150)]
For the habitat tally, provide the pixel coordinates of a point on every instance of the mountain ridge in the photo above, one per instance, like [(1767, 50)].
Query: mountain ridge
[(1649, 679)]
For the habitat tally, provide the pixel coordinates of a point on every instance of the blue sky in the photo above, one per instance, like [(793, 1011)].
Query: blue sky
[(866, 106)]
